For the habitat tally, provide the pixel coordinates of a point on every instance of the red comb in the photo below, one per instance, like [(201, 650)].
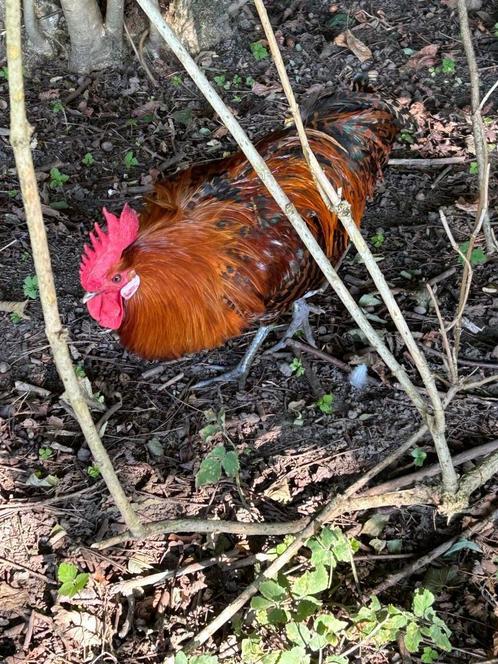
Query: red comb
[(106, 248)]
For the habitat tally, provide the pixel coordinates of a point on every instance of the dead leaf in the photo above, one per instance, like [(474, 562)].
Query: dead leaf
[(13, 600), (145, 109), (426, 57), (348, 40), (279, 491), (261, 90), (467, 206), (81, 627), (375, 524), (14, 308)]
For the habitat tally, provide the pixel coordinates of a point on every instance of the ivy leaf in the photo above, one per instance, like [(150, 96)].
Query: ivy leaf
[(413, 637), (423, 599), (463, 544)]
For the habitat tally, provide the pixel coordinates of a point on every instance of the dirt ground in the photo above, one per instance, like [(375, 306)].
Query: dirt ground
[(293, 456)]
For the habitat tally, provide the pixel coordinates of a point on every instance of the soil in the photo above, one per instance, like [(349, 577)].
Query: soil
[(293, 456)]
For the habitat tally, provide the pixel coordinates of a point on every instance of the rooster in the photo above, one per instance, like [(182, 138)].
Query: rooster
[(212, 254)]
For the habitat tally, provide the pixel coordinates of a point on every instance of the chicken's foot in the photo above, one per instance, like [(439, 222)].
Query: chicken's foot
[(300, 322), (240, 372)]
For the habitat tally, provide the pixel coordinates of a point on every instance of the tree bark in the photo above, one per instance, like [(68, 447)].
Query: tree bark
[(37, 41), (200, 24), (91, 48)]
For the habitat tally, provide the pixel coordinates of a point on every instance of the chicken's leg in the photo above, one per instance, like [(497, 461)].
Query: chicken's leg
[(240, 372), (300, 321)]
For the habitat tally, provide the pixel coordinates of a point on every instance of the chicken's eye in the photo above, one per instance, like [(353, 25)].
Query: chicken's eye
[(116, 278)]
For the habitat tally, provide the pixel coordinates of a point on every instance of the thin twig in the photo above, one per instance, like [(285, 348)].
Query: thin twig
[(432, 471), (202, 526), (20, 140), (450, 358), (477, 129), (423, 164), (342, 208), (416, 565)]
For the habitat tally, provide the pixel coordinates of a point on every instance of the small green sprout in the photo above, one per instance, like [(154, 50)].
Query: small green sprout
[(15, 318), (57, 106), (473, 168), (79, 371), (57, 179), (4, 73), (296, 366), (237, 80), (419, 456), (222, 82), (71, 581), (259, 51), (30, 287), (45, 453), (406, 136), (130, 160), (377, 240), (448, 66), (211, 467), (176, 80), (477, 255), (93, 471), (250, 81), (326, 403), (88, 159)]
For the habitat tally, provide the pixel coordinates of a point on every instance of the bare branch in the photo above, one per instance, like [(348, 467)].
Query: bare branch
[(478, 130), (19, 136)]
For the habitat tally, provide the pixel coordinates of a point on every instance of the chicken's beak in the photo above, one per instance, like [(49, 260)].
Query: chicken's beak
[(87, 297)]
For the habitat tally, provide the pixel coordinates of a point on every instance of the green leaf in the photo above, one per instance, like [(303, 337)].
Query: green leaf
[(336, 659), (57, 179), (278, 616), (203, 659), (93, 471), (259, 603), (477, 256), (296, 366), (183, 116), (419, 456), (176, 80), (210, 430), (413, 637), (463, 544), (259, 51), (88, 159), (429, 655), (66, 572), (375, 524), (305, 608), (326, 403), (473, 168), (231, 464), (326, 623), (181, 658), (377, 240), (311, 583), (273, 591), (209, 472), (295, 656), (438, 578), (67, 589), (30, 287), (130, 160), (80, 581), (440, 638), (298, 633), (252, 650), (423, 599), (448, 66), (338, 21)]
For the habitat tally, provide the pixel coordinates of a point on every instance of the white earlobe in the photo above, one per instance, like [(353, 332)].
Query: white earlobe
[(130, 288)]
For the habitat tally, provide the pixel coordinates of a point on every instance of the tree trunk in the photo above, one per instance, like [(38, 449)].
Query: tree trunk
[(200, 24), (37, 41), (91, 46)]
